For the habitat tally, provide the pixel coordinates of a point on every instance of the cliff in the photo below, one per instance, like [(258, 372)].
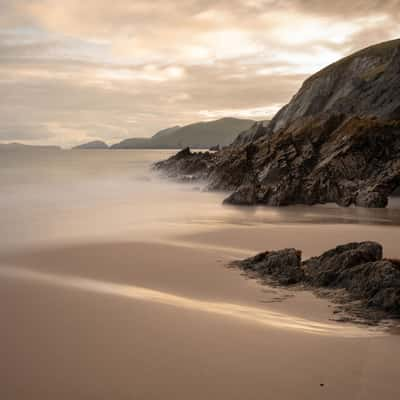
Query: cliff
[(338, 140), (364, 84)]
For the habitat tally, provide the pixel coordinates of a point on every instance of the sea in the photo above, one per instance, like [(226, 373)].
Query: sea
[(51, 196)]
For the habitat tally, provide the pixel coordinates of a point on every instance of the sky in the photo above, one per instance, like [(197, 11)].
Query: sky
[(78, 70)]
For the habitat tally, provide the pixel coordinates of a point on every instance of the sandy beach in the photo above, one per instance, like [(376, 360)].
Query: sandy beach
[(149, 321), (114, 285)]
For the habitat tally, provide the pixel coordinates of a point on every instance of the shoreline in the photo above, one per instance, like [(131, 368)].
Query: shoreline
[(128, 314), (96, 262)]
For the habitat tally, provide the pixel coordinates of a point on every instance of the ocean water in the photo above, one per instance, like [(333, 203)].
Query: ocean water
[(59, 196)]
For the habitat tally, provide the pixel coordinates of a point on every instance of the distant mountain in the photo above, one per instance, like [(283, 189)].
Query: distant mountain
[(25, 147), (201, 135), (94, 145), (134, 143), (166, 132)]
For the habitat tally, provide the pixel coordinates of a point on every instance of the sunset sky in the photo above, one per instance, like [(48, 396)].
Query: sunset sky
[(78, 70)]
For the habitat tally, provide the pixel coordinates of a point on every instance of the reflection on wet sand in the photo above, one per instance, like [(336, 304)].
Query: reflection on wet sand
[(326, 214), (245, 313)]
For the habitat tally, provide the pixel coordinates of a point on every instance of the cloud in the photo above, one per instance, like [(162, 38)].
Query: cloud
[(76, 70)]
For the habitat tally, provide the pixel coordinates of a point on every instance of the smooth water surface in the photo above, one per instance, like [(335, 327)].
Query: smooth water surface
[(50, 196)]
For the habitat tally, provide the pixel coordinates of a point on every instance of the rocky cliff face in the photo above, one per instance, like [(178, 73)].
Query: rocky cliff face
[(329, 159), (364, 84), (337, 141)]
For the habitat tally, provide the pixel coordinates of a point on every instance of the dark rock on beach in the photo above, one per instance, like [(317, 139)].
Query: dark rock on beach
[(281, 265), (187, 164), (357, 269)]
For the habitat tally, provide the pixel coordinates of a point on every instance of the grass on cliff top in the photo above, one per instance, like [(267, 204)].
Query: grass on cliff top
[(384, 50)]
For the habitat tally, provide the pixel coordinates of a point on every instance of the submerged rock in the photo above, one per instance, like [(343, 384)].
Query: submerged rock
[(357, 268)]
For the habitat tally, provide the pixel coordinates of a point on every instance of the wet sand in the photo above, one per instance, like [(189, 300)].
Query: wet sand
[(311, 238), (132, 320), (113, 285)]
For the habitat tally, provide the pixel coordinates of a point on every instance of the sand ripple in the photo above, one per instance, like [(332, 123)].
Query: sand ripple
[(261, 316)]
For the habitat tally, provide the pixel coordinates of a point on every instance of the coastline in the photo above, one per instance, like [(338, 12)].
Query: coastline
[(106, 292)]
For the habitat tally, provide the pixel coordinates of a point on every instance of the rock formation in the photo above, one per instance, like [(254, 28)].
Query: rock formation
[(338, 141), (366, 83), (357, 268)]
